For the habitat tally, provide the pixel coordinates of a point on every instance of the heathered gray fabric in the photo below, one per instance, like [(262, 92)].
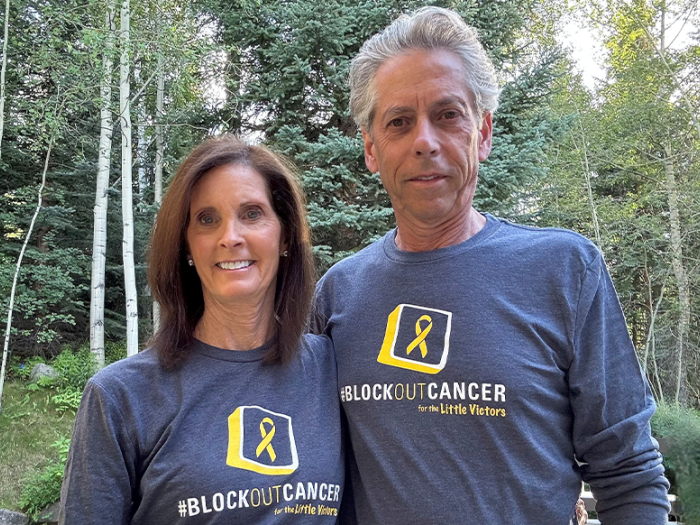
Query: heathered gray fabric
[(153, 447), (473, 375)]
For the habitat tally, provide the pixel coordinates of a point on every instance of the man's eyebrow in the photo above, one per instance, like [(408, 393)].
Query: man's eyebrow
[(397, 110), (445, 101), (448, 101)]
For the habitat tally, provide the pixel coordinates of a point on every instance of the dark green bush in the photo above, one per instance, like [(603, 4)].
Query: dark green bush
[(75, 368), (680, 428)]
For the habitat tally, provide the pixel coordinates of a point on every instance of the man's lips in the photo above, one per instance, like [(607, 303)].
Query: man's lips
[(426, 178)]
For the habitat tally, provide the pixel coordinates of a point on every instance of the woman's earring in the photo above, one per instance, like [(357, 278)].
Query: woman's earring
[(285, 253), (190, 262)]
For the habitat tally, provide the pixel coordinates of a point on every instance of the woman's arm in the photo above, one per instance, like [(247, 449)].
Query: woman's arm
[(100, 476)]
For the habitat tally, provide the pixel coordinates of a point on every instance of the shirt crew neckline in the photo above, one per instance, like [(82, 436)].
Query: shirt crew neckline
[(397, 255), (235, 356)]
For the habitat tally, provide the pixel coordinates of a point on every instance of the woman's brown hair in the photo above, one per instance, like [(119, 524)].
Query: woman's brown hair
[(176, 285)]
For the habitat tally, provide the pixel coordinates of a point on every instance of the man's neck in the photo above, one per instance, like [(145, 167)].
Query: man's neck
[(417, 237)]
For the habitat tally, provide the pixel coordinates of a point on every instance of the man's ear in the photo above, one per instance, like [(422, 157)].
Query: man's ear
[(370, 158), (485, 135)]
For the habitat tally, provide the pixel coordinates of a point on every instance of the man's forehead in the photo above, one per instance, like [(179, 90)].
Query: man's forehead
[(419, 77)]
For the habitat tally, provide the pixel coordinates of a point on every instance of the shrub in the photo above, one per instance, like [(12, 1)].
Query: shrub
[(680, 427), (21, 367), (44, 488), (114, 351), (74, 369)]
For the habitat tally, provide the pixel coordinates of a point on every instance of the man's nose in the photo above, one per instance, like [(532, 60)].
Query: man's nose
[(425, 142)]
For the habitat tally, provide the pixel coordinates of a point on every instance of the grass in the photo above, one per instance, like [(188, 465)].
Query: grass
[(29, 424)]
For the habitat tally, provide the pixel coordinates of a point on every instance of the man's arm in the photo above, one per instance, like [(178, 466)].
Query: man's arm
[(612, 406), (320, 309)]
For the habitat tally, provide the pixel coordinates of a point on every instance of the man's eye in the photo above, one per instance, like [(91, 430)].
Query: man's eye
[(450, 114), (396, 123)]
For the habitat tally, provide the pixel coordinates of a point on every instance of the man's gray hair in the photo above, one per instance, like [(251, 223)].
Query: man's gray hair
[(428, 28)]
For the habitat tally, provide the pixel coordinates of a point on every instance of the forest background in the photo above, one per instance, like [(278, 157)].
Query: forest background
[(95, 90)]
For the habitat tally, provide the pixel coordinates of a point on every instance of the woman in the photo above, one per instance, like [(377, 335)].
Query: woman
[(231, 416)]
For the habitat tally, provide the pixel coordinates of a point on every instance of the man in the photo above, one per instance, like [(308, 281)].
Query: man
[(485, 368)]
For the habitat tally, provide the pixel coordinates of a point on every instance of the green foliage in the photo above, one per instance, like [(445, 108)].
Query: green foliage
[(29, 423), (114, 351), (625, 141), (680, 427), (44, 488), (53, 79), (50, 296), (21, 367), (74, 369), (347, 206), (67, 400)]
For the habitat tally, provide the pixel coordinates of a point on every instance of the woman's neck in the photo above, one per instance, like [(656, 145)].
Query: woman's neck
[(236, 327)]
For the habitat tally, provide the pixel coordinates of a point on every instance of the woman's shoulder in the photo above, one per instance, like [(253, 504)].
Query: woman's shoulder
[(130, 373)]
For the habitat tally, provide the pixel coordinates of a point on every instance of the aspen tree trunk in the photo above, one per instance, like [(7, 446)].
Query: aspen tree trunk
[(679, 271), (651, 334), (159, 161), (99, 239), (141, 134), (132, 332), (40, 198), (2, 77), (141, 147), (589, 188)]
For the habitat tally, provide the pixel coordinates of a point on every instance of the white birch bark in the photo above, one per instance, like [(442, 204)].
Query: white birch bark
[(589, 188), (679, 271), (141, 134), (99, 238), (159, 161), (10, 308), (2, 74), (651, 338), (132, 332)]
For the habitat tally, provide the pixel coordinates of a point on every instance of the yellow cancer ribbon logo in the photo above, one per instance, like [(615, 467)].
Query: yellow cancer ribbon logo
[(266, 443), (421, 334)]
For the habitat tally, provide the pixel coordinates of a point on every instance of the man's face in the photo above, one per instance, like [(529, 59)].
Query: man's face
[(426, 139)]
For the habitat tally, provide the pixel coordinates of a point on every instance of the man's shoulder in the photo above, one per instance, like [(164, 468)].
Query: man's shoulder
[(546, 241)]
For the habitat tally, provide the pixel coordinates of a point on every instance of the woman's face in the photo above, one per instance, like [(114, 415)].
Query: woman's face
[(234, 237)]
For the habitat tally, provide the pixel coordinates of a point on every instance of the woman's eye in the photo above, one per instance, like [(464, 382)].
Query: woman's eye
[(206, 219), (253, 214)]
